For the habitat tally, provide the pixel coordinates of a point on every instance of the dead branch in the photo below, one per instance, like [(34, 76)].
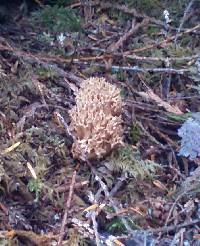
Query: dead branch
[(43, 61), (65, 188), (163, 136), (33, 237), (164, 42), (131, 11), (137, 58), (163, 59), (185, 17), (95, 228), (68, 205), (117, 210), (137, 69), (126, 36), (173, 227)]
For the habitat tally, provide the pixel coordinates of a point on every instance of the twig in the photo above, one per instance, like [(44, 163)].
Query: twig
[(131, 11), (153, 70), (178, 235), (61, 189), (173, 227), (185, 16), (163, 43), (163, 136), (163, 59), (172, 208), (117, 210), (127, 35), (108, 197), (144, 106), (137, 69), (149, 135), (95, 228), (135, 57), (118, 185), (68, 205), (43, 61)]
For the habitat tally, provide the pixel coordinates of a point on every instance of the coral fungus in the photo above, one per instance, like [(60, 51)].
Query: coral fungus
[(96, 121)]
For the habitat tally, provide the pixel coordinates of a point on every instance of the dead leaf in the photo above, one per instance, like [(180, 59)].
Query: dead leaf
[(92, 207), (32, 171), (158, 184), (15, 67), (117, 242), (12, 147), (169, 108)]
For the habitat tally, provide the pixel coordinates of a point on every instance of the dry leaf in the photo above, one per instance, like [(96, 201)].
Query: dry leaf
[(15, 67), (117, 242), (169, 108), (92, 207), (32, 171), (158, 184), (12, 147)]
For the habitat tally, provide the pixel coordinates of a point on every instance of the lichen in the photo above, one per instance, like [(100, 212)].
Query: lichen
[(190, 134)]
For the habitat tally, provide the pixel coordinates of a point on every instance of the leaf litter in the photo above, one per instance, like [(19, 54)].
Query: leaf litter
[(144, 193)]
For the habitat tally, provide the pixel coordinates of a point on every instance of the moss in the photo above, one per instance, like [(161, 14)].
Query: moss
[(115, 226), (135, 133), (152, 7), (129, 161), (152, 31), (179, 51), (57, 19)]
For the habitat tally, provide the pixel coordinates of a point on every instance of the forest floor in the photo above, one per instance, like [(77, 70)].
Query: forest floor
[(150, 195)]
